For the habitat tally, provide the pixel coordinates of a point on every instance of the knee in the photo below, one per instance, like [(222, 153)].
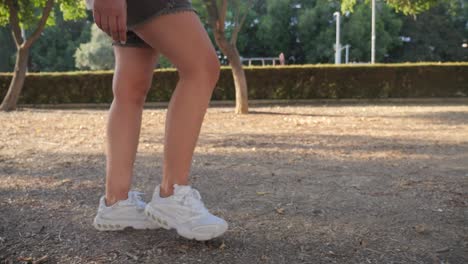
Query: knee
[(131, 92), (204, 71)]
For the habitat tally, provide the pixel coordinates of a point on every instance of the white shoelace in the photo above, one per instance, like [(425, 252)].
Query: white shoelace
[(135, 197), (191, 198)]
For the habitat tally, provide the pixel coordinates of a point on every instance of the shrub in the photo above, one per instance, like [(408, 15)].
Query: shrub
[(285, 82)]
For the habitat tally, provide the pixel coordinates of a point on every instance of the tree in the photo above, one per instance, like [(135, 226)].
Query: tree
[(226, 35), (435, 35), (248, 44), (25, 14), (407, 7), (54, 51), (305, 30), (411, 7), (278, 29), (317, 31), (6, 52), (97, 54), (356, 28)]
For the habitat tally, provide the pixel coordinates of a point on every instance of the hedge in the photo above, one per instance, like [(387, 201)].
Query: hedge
[(285, 82)]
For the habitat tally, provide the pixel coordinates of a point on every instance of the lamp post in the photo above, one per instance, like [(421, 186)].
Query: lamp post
[(373, 34), (337, 43), (347, 46)]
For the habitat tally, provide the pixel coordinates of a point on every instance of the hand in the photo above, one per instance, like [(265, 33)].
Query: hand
[(111, 17)]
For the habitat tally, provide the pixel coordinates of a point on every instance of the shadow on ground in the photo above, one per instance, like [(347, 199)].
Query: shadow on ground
[(306, 198)]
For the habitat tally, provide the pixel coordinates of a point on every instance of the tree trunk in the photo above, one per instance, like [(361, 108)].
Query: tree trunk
[(22, 46), (16, 84), (240, 82)]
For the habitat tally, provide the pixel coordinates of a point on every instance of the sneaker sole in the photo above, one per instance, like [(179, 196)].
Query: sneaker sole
[(107, 225), (166, 223)]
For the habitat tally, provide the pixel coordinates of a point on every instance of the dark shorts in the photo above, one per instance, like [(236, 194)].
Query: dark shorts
[(142, 11)]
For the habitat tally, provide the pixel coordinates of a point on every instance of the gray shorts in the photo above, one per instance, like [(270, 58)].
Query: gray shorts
[(142, 11)]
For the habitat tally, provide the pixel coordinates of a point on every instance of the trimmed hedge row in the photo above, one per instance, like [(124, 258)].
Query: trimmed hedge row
[(286, 82)]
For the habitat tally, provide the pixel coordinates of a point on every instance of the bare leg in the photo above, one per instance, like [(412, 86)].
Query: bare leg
[(183, 40), (132, 80)]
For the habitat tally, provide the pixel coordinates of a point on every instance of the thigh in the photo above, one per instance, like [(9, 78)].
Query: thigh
[(180, 37), (134, 67)]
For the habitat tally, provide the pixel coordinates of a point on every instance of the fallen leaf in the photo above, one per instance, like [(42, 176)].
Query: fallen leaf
[(41, 260), (134, 257), (27, 259), (223, 246), (442, 250), (421, 228), (363, 243), (280, 210)]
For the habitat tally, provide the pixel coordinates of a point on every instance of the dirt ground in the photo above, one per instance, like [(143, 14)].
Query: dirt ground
[(298, 184)]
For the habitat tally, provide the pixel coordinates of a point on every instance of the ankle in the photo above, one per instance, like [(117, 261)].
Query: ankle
[(113, 199), (165, 191)]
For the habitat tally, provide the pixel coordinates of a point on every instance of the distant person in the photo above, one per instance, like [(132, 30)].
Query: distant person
[(282, 59), (141, 31)]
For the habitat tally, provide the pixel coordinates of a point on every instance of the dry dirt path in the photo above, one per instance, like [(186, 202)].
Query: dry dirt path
[(298, 184)]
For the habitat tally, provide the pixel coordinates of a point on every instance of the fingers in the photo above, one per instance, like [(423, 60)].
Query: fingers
[(105, 25), (112, 19), (101, 21), (97, 18), (114, 28), (122, 24)]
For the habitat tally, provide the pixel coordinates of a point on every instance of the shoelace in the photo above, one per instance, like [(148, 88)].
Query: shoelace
[(192, 198), (135, 197)]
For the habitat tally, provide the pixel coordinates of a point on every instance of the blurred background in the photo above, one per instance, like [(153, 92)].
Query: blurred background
[(303, 30)]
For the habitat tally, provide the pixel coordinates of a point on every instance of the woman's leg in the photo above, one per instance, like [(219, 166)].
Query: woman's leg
[(132, 79), (183, 40)]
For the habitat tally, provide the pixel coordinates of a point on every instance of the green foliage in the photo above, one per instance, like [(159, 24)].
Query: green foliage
[(73, 9), (236, 11), (348, 5), (4, 15), (412, 7), (317, 31), (96, 54), (308, 33), (7, 59), (357, 32), (436, 35), (30, 12), (248, 44), (289, 82), (305, 34), (407, 7), (164, 62), (55, 49), (275, 28)]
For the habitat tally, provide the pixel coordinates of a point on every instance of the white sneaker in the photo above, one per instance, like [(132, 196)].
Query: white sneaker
[(185, 212), (123, 214)]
